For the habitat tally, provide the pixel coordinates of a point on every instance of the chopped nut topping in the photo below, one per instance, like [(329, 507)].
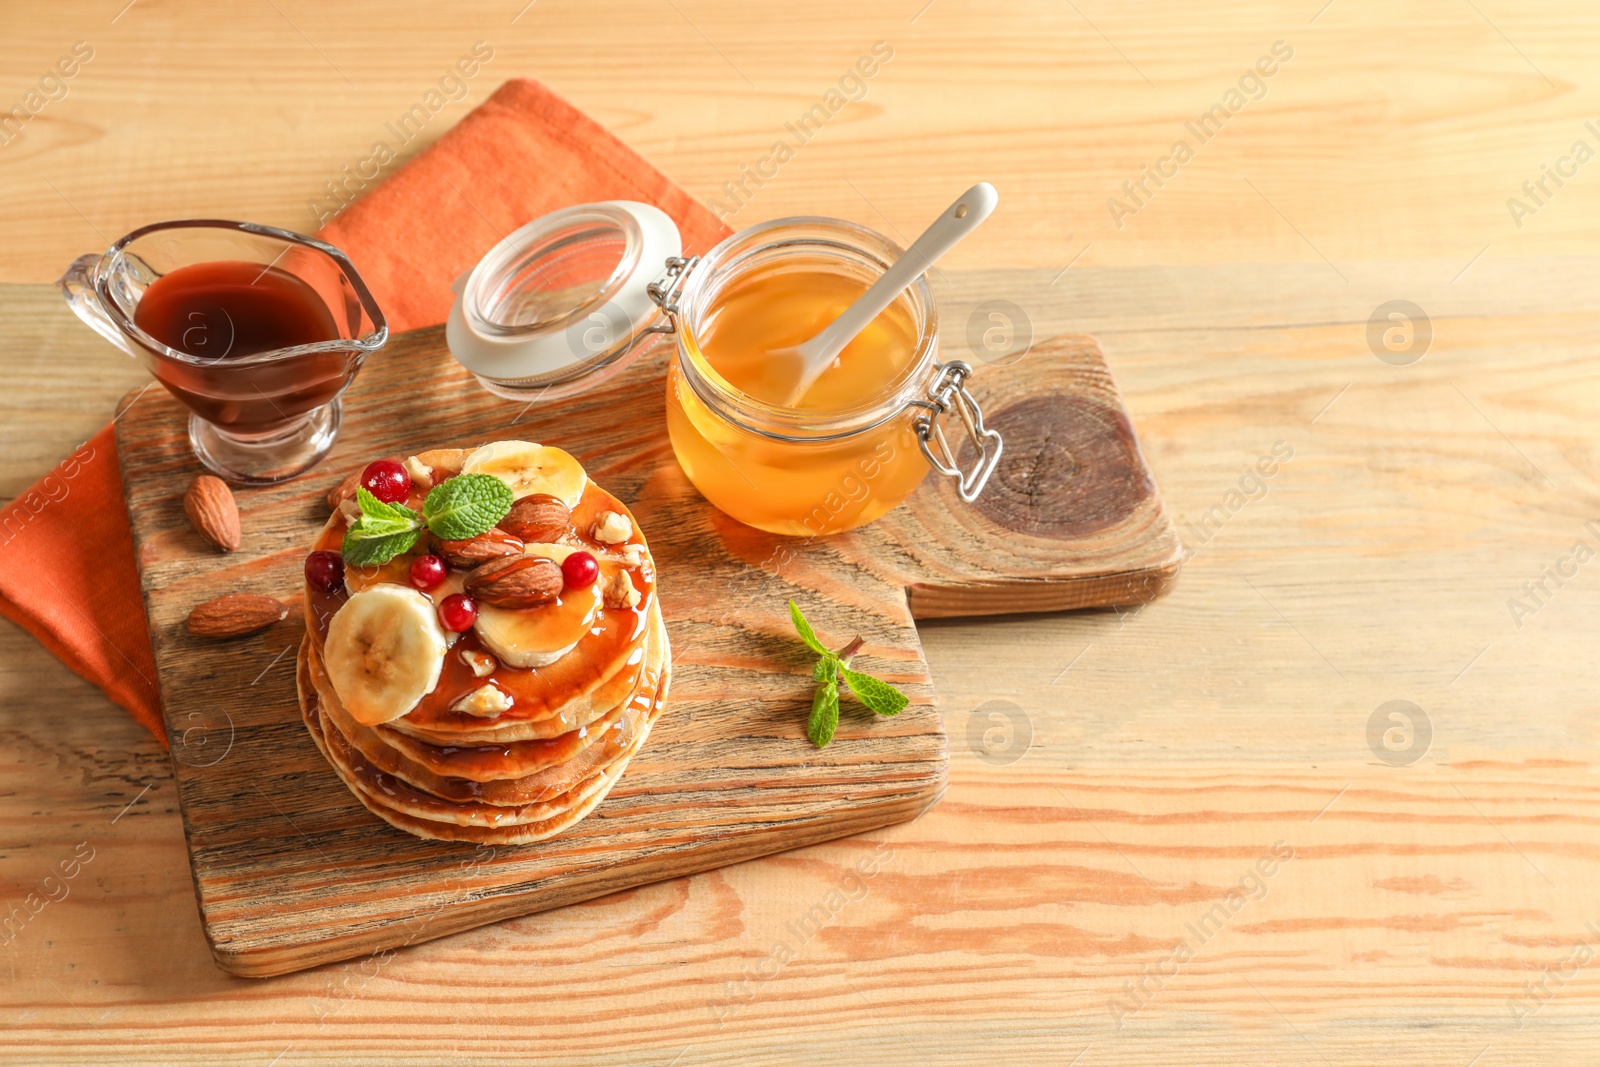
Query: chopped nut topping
[(486, 702), (620, 593), (633, 555), (482, 663), (420, 472), (350, 508), (613, 528)]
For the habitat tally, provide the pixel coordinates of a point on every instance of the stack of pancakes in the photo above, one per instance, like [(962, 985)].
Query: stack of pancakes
[(507, 775)]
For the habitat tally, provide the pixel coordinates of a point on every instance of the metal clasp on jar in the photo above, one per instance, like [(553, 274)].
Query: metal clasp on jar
[(950, 390), (667, 287)]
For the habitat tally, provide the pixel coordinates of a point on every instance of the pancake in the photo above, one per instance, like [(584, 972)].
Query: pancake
[(548, 768), (349, 767), (396, 795)]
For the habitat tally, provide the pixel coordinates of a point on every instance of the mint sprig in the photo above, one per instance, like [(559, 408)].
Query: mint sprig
[(381, 533), (831, 668), (454, 510)]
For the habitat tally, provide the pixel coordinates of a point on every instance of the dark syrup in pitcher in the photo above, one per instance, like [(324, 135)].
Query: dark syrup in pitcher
[(231, 308), (220, 312)]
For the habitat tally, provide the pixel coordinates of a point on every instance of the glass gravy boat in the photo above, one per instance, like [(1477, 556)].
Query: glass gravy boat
[(258, 414)]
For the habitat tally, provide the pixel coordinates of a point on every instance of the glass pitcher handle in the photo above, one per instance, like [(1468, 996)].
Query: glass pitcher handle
[(77, 285)]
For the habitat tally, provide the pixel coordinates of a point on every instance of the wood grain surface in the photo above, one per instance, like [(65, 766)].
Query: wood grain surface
[(1174, 744), (1140, 766)]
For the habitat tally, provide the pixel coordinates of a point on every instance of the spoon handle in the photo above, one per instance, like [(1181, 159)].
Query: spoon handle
[(958, 220)]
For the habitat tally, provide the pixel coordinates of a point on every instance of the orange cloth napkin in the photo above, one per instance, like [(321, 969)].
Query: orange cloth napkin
[(68, 576)]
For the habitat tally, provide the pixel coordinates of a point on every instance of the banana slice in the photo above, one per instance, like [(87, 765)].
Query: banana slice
[(529, 468), (537, 637), (384, 651)]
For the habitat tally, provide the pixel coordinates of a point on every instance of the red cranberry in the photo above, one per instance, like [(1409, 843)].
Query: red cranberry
[(427, 572), (325, 570), (457, 612), (386, 480), (579, 571)]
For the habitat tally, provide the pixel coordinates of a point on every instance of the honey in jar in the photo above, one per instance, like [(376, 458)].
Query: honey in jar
[(800, 487), (765, 314), (846, 452)]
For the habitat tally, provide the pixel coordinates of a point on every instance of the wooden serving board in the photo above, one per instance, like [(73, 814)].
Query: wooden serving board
[(290, 871)]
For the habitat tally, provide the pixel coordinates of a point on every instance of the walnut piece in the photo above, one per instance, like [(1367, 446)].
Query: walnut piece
[(612, 528), (420, 472), (620, 593), (486, 702), (482, 663)]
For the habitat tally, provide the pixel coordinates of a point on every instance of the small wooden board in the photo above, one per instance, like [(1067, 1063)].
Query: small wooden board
[(290, 871)]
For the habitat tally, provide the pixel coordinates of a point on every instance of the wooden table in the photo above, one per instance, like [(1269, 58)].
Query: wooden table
[(1114, 775)]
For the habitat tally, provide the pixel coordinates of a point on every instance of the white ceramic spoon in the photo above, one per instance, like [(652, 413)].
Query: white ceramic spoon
[(814, 356)]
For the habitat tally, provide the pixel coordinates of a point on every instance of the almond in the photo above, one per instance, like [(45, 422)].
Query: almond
[(539, 517), (235, 615), (520, 582), (495, 544), (213, 512)]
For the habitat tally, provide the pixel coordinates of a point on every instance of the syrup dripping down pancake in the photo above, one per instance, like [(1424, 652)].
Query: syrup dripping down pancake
[(549, 768)]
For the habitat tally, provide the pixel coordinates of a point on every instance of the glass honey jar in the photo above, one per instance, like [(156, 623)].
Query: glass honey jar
[(851, 448), (832, 461)]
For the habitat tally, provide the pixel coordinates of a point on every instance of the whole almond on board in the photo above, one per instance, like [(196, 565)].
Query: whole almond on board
[(235, 615), (494, 544), (213, 512), (519, 582), (539, 517)]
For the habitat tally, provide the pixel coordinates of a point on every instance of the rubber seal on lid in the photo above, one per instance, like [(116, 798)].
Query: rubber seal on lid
[(562, 303)]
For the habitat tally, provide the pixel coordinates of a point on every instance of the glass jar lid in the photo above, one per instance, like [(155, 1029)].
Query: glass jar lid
[(562, 303)]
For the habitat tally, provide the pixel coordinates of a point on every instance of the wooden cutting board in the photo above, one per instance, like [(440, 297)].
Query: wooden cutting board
[(290, 871)]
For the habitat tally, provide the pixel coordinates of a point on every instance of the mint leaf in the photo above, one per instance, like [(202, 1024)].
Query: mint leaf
[(827, 667), (807, 634), (363, 548), (880, 696), (381, 533), (379, 517), (466, 506), (824, 713)]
